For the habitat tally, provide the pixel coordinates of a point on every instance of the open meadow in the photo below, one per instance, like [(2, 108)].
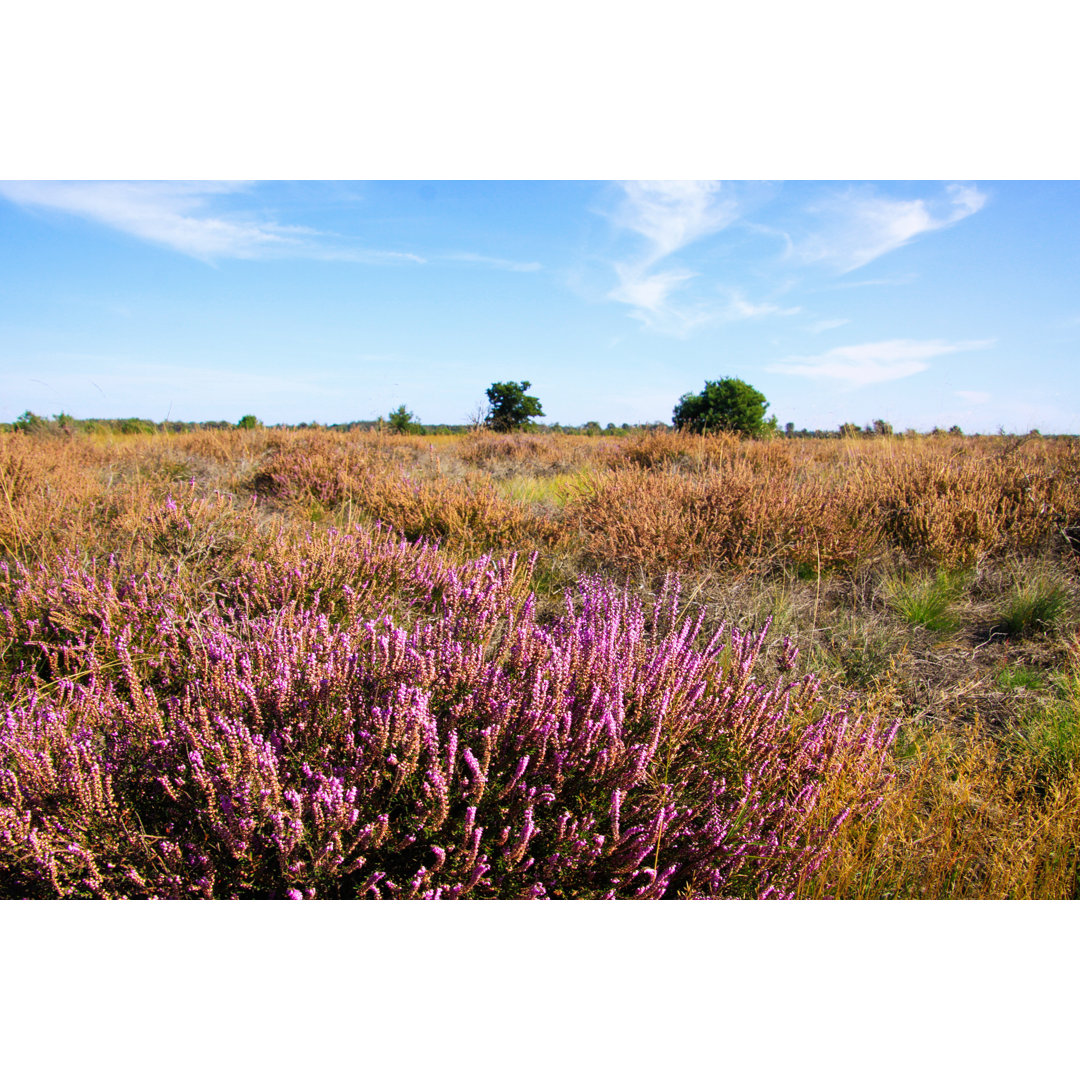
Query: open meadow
[(281, 663)]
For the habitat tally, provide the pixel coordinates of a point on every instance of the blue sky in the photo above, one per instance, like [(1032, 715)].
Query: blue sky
[(923, 303)]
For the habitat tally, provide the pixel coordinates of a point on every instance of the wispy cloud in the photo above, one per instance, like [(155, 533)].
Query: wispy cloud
[(826, 324), (373, 256), (649, 296), (673, 213), (176, 215), (493, 262), (738, 307), (668, 215), (187, 217), (976, 397), (860, 226), (903, 279), (873, 362)]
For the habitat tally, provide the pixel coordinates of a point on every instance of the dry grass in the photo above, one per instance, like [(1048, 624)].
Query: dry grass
[(965, 819), (930, 579), (730, 517), (695, 501)]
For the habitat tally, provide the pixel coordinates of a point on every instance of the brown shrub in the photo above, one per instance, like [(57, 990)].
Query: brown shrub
[(956, 509), (538, 452), (697, 501), (42, 487), (356, 477), (634, 517)]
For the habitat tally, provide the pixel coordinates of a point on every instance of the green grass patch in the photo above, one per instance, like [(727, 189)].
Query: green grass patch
[(1018, 677), (1050, 737), (925, 600), (1035, 607), (554, 490)]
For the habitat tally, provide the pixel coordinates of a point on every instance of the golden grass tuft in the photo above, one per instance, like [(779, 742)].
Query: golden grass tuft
[(963, 820)]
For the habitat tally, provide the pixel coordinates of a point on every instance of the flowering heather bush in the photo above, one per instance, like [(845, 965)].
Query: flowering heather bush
[(374, 721)]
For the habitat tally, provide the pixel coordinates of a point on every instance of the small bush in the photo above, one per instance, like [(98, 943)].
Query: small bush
[(134, 426), (402, 421)]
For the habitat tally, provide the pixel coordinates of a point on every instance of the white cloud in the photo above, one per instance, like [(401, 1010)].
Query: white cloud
[(976, 397), (669, 215), (361, 255), (674, 213), (739, 307), (172, 214), (861, 226), (649, 295), (648, 292), (178, 215), (903, 279), (874, 362), (827, 324), (495, 263)]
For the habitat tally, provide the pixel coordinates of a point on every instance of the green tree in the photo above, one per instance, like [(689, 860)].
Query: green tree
[(725, 405), (511, 408), (249, 422), (30, 421), (401, 420)]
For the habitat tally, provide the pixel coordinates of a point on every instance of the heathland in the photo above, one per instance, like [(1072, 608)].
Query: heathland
[(283, 663)]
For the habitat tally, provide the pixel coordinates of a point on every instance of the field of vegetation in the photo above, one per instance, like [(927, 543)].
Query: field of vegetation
[(335, 664)]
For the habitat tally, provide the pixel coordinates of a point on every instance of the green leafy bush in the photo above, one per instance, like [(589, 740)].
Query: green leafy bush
[(402, 421), (511, 408), (726, 405)]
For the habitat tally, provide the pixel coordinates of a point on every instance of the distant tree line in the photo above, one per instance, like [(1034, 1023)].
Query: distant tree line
[(63, 424), (725, 405)]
